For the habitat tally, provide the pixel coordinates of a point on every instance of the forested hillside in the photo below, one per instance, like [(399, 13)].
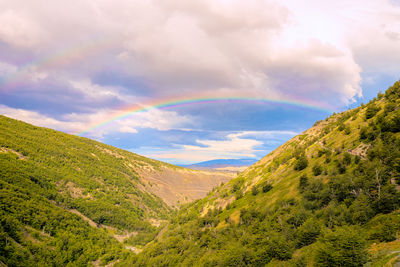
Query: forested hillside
[(67, 199), (328, 197)]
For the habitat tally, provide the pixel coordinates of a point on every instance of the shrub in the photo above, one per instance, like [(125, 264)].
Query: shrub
[(347, 130), (391, 123), (303, 182), (347, 158), (301, 163), (372, 109), (328, 159), (317, 169), (266, 188), (254, 190)]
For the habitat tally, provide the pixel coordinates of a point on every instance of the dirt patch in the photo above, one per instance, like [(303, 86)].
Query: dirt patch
[(96, 263), (27, 236), (205, 209), (134, 249), (361, 150), (91, 223), (99, 180), (75, 191), (94, 155), (9, 150), (110, 152), (222, 203), (317, 128), (156, 222), (122, 237), (232, 169), (112, 263), (235, 217)]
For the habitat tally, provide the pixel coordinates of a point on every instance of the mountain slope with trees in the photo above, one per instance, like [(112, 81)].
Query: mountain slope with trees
[(67, 199), (328, 197)]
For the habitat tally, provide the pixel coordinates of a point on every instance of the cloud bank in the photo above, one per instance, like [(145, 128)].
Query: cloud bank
[(314, 51)]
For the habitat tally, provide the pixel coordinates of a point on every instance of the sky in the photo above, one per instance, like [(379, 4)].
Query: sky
[(185, 81)]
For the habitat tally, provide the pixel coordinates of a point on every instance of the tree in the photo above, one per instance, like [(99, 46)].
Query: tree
[(345, 246), (360, 210), (307, 233)]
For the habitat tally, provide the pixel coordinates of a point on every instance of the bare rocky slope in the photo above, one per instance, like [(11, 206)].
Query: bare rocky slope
[(180, 185)]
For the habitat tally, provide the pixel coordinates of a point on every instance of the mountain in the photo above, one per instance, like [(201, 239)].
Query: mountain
[(229, 165), (178, 185), (328, 197), (71, 200)]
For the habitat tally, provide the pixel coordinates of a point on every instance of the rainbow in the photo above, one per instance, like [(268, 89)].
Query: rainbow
[(195, 101)]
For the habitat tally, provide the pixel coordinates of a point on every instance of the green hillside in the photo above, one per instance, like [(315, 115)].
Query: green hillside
[(66, 199), (328, 197)]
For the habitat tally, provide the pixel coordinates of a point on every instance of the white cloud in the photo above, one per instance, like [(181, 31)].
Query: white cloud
[(38, 119), (12, 76), (102, 122), (258, 48), (310, 51), (17, 28), (94, 91), (285, 49), (127, 129), (272, 134), (7, 69), (156, 119), (234, 145), (378, 49), (365, 31)]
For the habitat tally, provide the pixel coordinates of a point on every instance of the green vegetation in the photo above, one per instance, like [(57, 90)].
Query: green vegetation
[(327, 197), (331, 198), (344, 247), (33, 232), (47, 176), (301, 163)]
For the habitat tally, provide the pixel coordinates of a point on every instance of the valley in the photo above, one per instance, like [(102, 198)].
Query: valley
[(328, 197), (95, 188)]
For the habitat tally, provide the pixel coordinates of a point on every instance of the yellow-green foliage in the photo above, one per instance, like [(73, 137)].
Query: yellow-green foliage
[(45, 173), (351, 177)]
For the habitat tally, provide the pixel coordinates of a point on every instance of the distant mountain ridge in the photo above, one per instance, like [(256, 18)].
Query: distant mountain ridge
[(221, 164)]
